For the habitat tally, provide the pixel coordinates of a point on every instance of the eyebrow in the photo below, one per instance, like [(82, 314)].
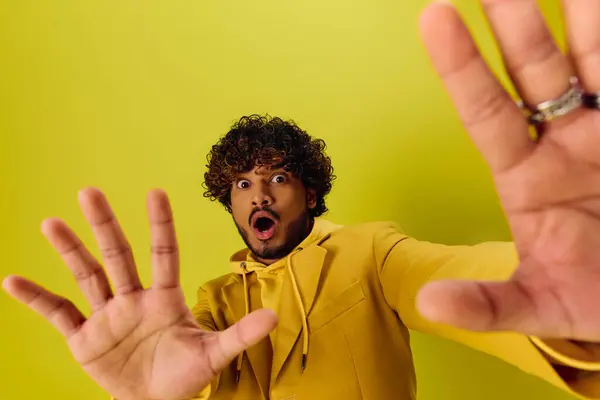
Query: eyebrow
[(270, 171), (259, 171)]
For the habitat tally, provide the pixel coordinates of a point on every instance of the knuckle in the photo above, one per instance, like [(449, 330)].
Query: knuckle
[(127, 288), (75, 248), (62, 305), (239, 335), (164, 249), (84, 274), (110, 253), (491, 104), (107, 220), (493, 311), (537, 49)]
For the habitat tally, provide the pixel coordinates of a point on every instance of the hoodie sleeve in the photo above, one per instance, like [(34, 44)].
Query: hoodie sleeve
[(406, 264), (202, 312)]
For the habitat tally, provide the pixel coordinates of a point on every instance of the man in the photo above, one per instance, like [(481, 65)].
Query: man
[(315, 310)]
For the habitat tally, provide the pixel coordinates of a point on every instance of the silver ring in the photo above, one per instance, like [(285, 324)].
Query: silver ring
[(553, 109)]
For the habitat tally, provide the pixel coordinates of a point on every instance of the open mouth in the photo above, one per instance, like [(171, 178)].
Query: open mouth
[(263, 225)]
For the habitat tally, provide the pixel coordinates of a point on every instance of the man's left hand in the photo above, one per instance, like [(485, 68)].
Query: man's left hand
[(549, 187)]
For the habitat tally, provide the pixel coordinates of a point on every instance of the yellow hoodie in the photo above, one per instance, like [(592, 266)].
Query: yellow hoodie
[(351, 291)]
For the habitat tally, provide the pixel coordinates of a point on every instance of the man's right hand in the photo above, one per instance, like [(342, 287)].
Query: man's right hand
[(137, 344)]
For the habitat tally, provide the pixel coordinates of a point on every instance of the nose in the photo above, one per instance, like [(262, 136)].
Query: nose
[(262, 197)]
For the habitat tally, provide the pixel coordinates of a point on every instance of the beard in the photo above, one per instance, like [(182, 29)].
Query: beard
[(296, 232)]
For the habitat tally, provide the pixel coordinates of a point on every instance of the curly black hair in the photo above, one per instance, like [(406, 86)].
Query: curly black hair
[(261, 140)]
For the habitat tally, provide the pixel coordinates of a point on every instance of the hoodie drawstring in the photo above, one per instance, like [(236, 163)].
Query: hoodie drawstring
[(301, 307), (288, 264), (240, 359)]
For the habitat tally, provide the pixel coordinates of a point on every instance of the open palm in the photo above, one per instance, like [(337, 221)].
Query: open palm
[(137, 343), (549, 188)]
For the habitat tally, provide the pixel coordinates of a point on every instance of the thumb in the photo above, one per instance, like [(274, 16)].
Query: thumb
[(479, 306), (244, 334)]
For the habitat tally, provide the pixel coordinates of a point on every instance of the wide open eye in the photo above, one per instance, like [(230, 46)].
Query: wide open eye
[(243, 184), (279, 179)]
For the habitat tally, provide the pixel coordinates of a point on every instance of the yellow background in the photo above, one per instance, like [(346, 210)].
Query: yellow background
[(131, 95)]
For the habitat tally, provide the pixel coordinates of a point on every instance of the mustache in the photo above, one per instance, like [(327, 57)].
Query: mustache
[(266, 209)]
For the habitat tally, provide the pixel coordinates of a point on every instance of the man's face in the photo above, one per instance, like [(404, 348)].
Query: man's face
[(271, 210)]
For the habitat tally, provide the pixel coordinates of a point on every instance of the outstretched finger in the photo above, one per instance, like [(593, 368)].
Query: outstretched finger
[(491, 307), (165, 252), (60, 312), (533, 60), (90, 275), (247, 332), (491, 117), (582, 19), (116, 250)]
